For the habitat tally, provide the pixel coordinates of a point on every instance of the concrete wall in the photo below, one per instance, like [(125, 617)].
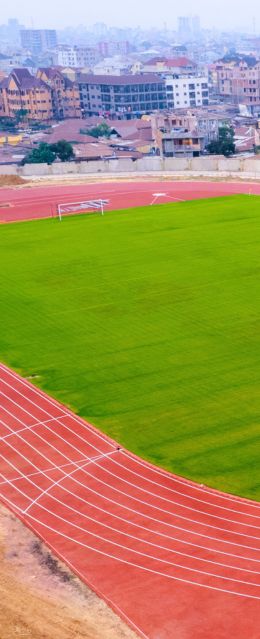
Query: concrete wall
[(202, 165)]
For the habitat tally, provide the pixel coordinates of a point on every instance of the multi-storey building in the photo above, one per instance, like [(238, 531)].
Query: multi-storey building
[(107, 49), (121, 96), (64, 93), (239, 82), (66, 56), (38, 40), (22, 91), (185, 92)]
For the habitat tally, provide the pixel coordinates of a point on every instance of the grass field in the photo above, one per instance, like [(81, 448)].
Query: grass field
[(146, 323)]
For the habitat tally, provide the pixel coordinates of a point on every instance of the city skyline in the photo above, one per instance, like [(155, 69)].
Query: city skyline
[(146, 15)]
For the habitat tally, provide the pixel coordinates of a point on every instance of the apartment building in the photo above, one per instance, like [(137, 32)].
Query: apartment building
[(182, 143), (239, 82), (64, 93), (187, 91), (23, 91), (38, 40), (121, 96), (110, 48), (76, 57)]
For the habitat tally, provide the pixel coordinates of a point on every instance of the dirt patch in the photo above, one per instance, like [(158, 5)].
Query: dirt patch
[(12, 180), (40, 598)]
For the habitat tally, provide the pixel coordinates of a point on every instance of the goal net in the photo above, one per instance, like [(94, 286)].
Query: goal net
[(86, 206)]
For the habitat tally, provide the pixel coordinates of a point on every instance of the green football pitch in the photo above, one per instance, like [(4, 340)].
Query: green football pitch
[(146, 322)]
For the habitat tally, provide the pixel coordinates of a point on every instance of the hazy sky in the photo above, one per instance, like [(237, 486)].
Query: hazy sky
[(48, 13)]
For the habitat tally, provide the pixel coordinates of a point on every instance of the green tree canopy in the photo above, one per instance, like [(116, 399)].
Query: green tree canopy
[(224, 145), (48, 153), (100, 131), (43, 154), (63, 150)]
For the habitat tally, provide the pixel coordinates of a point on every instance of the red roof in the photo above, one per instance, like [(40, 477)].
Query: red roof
[(181, 61)]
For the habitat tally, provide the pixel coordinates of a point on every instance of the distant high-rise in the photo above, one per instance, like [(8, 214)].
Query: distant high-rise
[(37, 40), (184, 27), (188, 27), (195, 25)]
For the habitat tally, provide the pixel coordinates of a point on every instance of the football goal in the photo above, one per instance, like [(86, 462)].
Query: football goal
[(86, 206)]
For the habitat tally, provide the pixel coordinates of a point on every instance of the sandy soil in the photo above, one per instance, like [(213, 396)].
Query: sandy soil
[(66, 180), (41, 599)]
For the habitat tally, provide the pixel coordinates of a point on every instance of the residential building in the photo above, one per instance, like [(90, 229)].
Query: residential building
[(247, 139), (239, 82), (112, 66), (66, 56), (38, 40), (182, 143), (176, 66), (22, 91), (64, 92), (14, 61), (127, 96), (110, 48), (185, 92)]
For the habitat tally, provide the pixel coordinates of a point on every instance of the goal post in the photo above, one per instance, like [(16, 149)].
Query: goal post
[(86, 206)]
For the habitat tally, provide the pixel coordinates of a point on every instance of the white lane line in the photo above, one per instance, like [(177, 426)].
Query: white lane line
[(124, 561), (144, 490), (65, 476), (151, 468), (101, 523), (28, 428), (193, 486), (200, 523), (45, 470), (76, 496), (178, 492), (50, 401), (132, 550)]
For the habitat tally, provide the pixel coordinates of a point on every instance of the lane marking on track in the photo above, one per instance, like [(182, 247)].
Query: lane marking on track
[(132, 550), (165, 474), (129, 496), (111, 514), (120, 532), (201, 523), (66, 476), (29, 428), (124, 561)]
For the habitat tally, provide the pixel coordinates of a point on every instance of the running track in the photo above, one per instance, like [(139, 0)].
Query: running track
[(176, 560), (29, 203)]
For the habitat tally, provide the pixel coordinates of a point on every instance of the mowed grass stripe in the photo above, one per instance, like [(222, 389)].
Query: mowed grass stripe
[(146, 322)]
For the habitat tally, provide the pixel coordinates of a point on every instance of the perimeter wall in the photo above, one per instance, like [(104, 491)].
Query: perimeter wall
[(246, 167)]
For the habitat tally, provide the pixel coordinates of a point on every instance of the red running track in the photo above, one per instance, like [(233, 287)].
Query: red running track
[(176, 560), (37, 202)]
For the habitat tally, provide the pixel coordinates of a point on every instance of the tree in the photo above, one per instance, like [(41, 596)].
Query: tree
[(63, 150), (42, 155), (100, 131), (224, 145), (8, 124), (47, 153), (21, 114)]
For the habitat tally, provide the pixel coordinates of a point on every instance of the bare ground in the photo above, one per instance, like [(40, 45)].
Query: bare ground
[(40, 598), (68, 180)]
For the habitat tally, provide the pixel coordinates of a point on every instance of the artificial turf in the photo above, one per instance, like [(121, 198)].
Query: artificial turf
[(145, 322)]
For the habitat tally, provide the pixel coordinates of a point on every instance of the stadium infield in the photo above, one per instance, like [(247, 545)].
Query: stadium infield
[(145, 323)]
